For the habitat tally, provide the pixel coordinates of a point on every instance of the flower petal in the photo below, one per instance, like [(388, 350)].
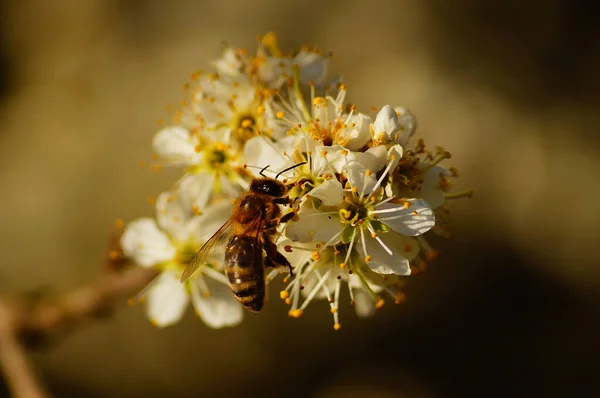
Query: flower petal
[(330, 192), (202, 227), (143, 242), (175, 144), (171, 215), (382, 262), (359, 177), (314, 225), (218, 309), (412, 220), (166, 300), (408, 123), (364, 304), (430, 190), (312, 67), (358, 132), (196, 189), (386, 125), (260, 152)]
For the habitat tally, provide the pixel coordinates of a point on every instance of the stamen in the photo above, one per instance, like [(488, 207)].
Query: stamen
[(430, 253), (350, 247), (383, 175), (364, 243), (315, 290), (461, 194)]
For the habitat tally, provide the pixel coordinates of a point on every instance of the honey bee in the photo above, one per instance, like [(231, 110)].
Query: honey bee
[(251, 229)]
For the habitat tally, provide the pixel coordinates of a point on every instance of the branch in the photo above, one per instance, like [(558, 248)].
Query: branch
[(15, 366), (20, 320)]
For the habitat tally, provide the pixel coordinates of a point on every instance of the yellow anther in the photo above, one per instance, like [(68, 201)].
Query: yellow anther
[(131, 301), (379, 303), (374, 235), (206, 294), (288, 301), (342, 265), (196, 210), (337, 326), (368, 172), (280, 114), (284, 294), (432, 255), (406, 204), (114, 254), (119, 223), (400, 298), (219, 146), (355, 189), (316, 256), (154, 322), (333, 310), (295, 313), (368, 259)]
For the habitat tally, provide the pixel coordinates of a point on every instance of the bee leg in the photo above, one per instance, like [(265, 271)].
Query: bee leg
[(276, 258), (283, 201), (287, 217)]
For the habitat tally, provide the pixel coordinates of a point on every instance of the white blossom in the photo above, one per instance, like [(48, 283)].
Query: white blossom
[(169, 243)]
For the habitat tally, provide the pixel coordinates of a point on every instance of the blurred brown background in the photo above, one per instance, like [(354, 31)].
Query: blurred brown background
[(509, 87)]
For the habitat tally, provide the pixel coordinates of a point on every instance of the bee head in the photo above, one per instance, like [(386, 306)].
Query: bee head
[(268, 186)]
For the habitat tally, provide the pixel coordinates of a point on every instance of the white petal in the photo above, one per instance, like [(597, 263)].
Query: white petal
[(394, 155), (260, 152), (429, 188), (374, 158), (408, 121), (364, 304), (143, 242), (357, 176), (314, 225), (166, 300), (229, 64), (219, 309), (312, 67), (202, 227), (196, 189), (330, 192), (386, 124), (384, 263), (358, 131), (175, 144), (171, 215), (416, 219)]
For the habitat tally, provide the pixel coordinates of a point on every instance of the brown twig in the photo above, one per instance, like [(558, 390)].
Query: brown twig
[(20, 319)]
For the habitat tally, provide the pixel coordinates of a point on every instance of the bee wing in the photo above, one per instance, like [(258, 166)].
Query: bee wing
[(200, 257)]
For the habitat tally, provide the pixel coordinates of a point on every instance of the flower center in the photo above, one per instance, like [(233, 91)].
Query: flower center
[(185, 255), (353, 213), (245, 127)]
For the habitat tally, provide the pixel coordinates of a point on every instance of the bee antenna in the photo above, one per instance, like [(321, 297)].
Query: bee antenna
[(263, 169), (289, 168)]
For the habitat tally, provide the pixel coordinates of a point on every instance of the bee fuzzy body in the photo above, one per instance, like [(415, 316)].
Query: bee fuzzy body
[(245, 270), (251, 230)]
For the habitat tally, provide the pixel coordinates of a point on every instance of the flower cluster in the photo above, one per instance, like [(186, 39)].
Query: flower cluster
[(362, 195)]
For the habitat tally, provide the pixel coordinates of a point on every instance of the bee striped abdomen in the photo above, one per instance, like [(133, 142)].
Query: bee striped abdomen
[(244, 268)]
